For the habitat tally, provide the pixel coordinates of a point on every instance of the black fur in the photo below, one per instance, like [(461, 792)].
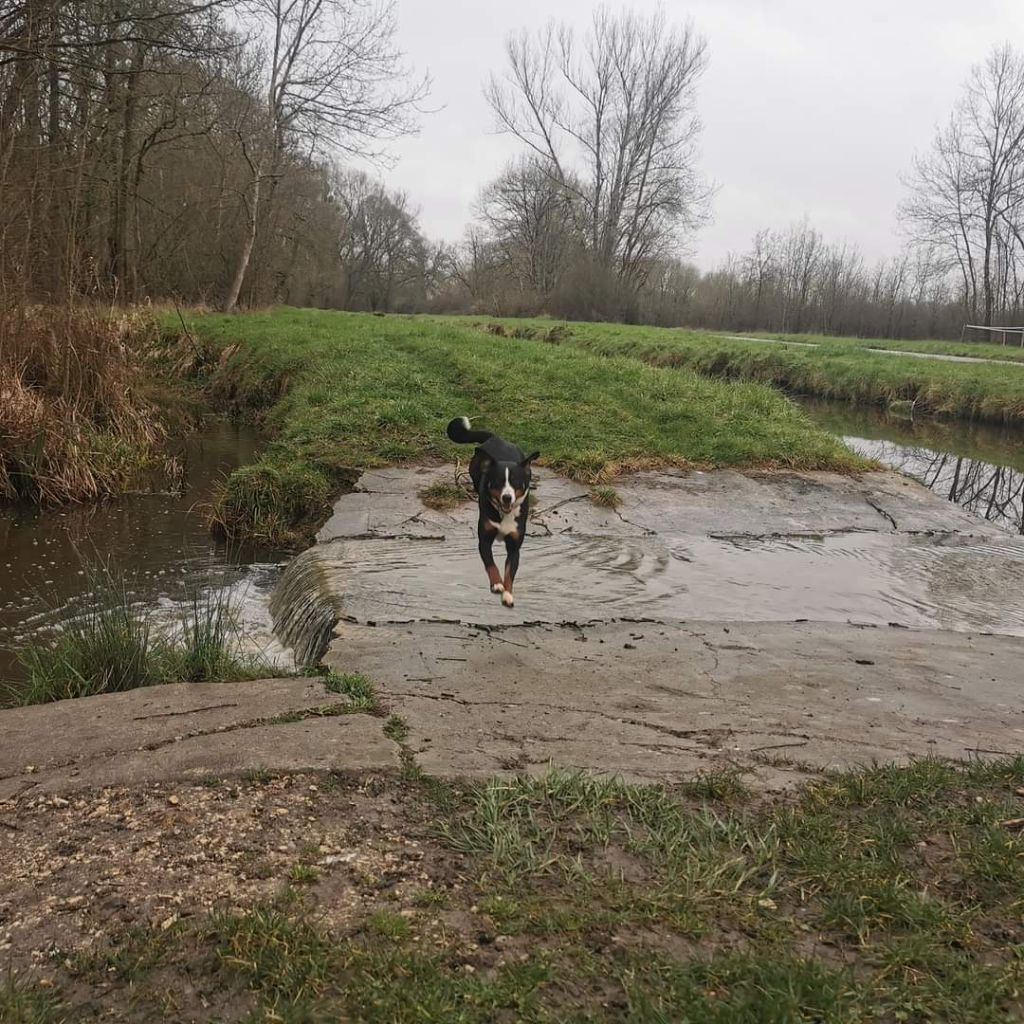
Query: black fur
[(497, 465)]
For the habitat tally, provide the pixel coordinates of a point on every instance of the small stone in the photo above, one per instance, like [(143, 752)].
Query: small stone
[(173, 800)]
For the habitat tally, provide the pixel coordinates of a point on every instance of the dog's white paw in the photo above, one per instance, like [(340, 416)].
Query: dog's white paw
[(497, 588), (507, 599)]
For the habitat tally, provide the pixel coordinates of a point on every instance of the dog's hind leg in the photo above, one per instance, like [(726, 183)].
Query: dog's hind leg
[(487, 556), (512, 545)]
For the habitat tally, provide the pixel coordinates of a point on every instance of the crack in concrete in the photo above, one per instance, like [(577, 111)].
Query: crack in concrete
[(284, 718), (189, 711), (881, 511)]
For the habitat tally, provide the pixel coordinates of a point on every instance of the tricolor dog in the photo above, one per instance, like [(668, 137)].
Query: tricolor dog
[(501, 476)]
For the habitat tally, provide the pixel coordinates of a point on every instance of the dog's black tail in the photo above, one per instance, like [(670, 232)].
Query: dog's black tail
[(459, 432)]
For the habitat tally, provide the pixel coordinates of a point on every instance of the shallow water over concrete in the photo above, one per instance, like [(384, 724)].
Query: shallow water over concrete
[(778, 622), (160, 541), (704, 546)]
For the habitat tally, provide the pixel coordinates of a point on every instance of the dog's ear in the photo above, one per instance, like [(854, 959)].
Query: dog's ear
[(529, 459)]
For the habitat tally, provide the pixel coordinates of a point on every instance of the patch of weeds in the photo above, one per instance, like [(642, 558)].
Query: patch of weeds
[(24, 1001), (443, 496), (605, 497), (361, 694), (211, 782), (724, 785), (115, 644), (426, 898), (388, 925), (396, 728), (303, 874), (259, 776), (129, 955)]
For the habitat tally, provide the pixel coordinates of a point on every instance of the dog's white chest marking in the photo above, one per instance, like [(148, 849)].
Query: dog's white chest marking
[(508, 523)]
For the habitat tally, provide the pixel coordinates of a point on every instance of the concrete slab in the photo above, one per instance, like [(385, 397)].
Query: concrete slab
[(751, 619), (177, 731), (661, 701)]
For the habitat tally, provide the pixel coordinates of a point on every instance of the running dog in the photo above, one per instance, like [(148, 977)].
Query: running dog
[(501, 476)]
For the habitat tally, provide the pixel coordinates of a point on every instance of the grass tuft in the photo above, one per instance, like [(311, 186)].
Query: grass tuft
[(605, 497), (360, 692), (443, 496), (115, 645)]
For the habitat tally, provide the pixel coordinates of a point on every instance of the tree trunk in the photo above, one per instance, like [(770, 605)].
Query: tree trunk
[(247, 246)]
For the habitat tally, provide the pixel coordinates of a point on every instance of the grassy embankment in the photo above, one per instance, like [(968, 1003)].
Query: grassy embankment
[(889, 895), (339, 392), (841, 370), (1011, 352)]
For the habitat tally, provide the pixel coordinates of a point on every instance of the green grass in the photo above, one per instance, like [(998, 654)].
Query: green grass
[(838, 369), (24, 1002), (605, 497), (1011, 352), (885, 894), (115, 645), (361, 693), (339, 392)]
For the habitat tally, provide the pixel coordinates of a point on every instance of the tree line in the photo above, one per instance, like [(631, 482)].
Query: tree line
[(205, 150)]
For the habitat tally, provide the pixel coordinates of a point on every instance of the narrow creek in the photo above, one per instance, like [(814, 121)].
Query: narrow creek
[(978, 466), (162, 543), (159, 541)]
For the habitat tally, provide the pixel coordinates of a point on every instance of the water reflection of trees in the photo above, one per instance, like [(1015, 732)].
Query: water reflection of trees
[(995, 492)]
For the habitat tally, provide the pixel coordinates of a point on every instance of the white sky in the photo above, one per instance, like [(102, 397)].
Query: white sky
[(811, 107)]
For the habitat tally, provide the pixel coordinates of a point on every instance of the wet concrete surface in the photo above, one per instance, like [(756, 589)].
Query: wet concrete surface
[(782, 622), (777, 623)]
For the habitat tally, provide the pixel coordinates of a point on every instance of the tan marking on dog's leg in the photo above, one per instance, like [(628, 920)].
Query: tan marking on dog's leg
[(495, 579)]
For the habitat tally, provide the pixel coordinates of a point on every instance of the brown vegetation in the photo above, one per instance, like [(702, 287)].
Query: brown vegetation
[(78, 417)]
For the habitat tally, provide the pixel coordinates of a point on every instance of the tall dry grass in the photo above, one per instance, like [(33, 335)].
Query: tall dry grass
[(77, 415)]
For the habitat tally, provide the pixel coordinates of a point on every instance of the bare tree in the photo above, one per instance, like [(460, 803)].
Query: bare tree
[(385, 258), (611, 119), (335, 81), (967, 202), (530, 219)]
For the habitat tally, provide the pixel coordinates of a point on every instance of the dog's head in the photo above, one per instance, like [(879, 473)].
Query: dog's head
[(507, 483)]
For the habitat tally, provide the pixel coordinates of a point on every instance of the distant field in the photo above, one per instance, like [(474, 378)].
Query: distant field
[(341, 391), (845, 370), (1011, 352)]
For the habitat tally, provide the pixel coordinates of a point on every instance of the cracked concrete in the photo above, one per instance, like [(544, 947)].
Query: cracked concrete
[(184, 731), (778, 622)]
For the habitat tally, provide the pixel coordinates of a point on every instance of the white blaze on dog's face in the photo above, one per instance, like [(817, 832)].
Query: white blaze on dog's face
[(508, 492)]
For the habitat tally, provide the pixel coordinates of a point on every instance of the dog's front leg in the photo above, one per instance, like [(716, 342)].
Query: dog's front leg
[(512, 545), (486, 537)]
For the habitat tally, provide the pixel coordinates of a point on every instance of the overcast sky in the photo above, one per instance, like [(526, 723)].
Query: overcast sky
[(810, 107)]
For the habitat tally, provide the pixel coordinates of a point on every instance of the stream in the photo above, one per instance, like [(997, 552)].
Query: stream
[(976, 465), (161, 543)]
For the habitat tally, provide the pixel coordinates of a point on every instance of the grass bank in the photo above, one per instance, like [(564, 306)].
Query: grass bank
[(84, 408), (339, 392), (847, 372), (116, 645), (1011, 352), (891, 894)]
